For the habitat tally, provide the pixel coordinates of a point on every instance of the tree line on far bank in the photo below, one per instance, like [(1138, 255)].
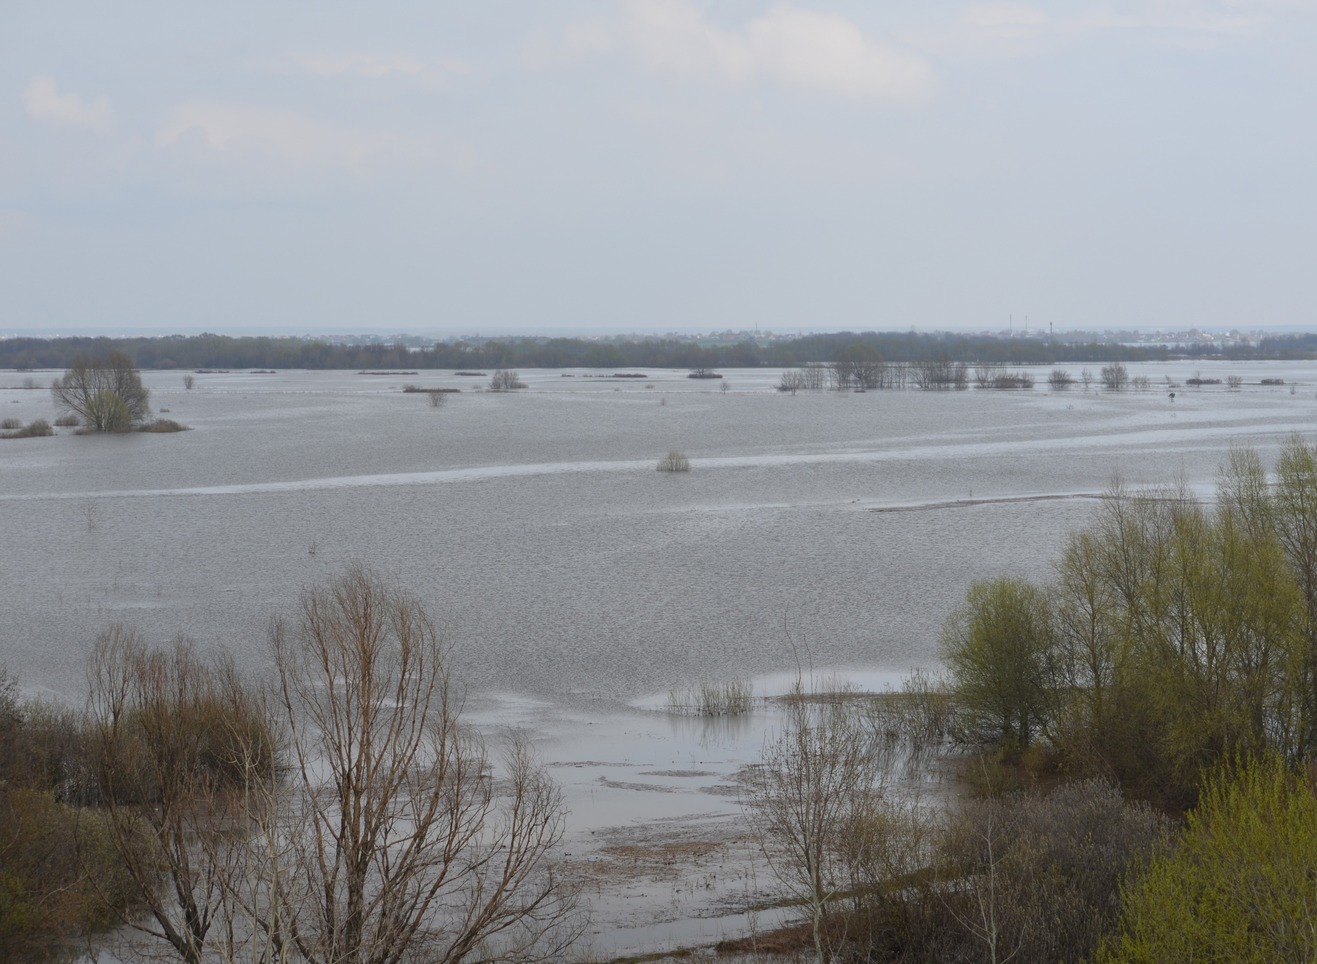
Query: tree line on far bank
[(204, 351), (211, 350)]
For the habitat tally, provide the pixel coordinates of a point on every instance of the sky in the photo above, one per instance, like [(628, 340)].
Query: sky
[(515, 166)]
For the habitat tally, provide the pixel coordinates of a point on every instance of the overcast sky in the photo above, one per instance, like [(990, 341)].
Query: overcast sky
[(493, 166)]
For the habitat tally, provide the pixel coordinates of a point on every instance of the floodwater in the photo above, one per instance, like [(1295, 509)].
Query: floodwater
[(577, 585)]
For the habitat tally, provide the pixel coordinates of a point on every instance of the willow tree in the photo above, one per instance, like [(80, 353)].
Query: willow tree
[(106, 394), (1000, 648)]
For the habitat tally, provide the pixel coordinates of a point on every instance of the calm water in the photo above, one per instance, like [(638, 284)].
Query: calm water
[(576, 582), (535, 528)]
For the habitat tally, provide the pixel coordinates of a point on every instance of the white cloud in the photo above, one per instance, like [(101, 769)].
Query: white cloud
[(790, 47), (245, 131), (45, 104), (435, 72)]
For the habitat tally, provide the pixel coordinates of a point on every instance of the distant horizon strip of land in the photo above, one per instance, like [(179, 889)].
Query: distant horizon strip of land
[(215, 351)]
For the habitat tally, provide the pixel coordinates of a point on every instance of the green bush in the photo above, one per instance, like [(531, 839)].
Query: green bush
[(1240, 886), (60, 877)]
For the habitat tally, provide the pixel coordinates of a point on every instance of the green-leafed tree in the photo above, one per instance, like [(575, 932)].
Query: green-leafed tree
[(1239, 886), (1000, 647)]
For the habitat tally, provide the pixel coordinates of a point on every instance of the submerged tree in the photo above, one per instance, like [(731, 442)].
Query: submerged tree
[(106, 394)]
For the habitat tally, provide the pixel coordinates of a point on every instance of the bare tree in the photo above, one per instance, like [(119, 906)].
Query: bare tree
[(1115, 377), (105, 393), (792, 381), (402, 846), (505, 380), (811, 801)]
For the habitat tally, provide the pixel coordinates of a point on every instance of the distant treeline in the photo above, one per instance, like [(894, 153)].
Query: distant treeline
[(222, 351)]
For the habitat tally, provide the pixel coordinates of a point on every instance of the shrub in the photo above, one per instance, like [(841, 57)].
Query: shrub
[(1239, 886), (1115, 378), (1059, 380), (674, 462), (39, 428), (163, 425), (67, 421), (61, 877), (793, 381), (1037, 877), (505, 380), (11, 423)]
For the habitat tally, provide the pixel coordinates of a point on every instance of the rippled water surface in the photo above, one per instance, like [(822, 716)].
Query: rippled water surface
[(535, 528), (578, 585)]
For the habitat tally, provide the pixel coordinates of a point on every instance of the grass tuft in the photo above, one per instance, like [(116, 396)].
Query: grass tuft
[(674, 462), (733, 698)]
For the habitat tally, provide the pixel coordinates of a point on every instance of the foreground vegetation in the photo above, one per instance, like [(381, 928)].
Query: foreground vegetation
[(343, 813)]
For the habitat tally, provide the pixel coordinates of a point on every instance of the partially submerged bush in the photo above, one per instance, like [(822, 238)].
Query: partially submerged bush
[(39, 428), (505, 380), (674, 462), (11, 423), (163, 425), (67, 421)]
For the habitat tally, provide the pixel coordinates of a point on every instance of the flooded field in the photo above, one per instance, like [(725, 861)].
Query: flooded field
[(577, 585)]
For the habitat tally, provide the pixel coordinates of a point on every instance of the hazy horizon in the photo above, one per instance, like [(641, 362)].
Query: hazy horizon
[(657, 165)]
